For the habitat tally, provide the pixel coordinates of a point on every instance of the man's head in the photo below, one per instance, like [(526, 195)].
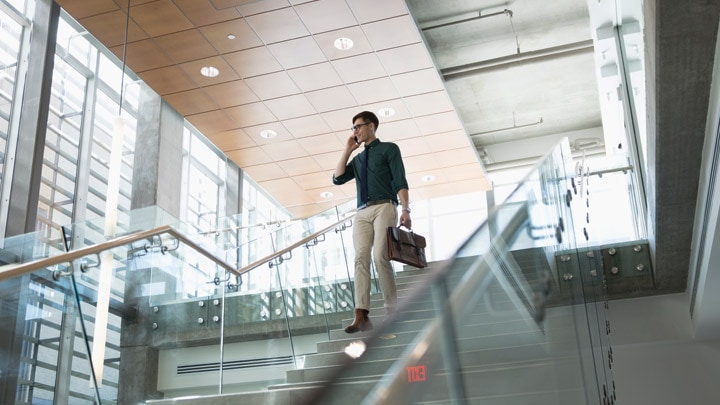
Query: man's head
[(364, 126)]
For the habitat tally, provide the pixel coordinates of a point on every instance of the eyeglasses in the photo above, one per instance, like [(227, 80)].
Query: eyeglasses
[(356, 127)]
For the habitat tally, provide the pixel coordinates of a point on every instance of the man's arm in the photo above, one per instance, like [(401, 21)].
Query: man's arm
[(350, 146), (404, 197)]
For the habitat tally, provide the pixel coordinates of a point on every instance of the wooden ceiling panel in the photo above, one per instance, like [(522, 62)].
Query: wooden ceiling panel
[(253, 62), (315, 77), (249, 156), (322, 143), (331, 99), (278, 25), (143, 55), (185, 46), (272, 85), (109, 28), (315, 15), (191, 102), (290, 107), (328, 160), (315, 180), (226, 73), (232, 139), (265, 172), (231, 94), (244, 36), (297, 52), (160, 17), (280, 151), (80, 9), (307, 126), (282, 133), (252, 7), (212, 122), (299, 166), (248, 115), (167, 80), (202, 13)]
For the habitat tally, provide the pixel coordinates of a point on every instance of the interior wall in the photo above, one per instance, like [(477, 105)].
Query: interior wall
[(657, 359)]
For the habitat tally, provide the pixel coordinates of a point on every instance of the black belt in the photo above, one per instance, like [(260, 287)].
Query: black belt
[(376, 202)]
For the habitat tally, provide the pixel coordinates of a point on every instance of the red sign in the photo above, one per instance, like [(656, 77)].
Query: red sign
[(417, 373)]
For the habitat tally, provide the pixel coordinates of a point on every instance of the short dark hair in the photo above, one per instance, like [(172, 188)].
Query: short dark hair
[(367, 116)]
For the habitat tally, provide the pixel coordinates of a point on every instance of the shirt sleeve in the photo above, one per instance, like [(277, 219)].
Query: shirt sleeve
[(397, 168), (347, 176)]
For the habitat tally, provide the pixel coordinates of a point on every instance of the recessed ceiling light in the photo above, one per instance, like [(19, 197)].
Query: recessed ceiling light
[(428, 178), (268, 133), (344, 44), (209, 71), (386, 112), (230, 36), (326, 194)]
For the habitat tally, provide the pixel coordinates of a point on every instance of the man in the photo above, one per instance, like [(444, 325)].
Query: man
[(377, 198)]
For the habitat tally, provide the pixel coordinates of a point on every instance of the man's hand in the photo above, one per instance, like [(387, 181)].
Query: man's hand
[(405, 220), (351, 144)]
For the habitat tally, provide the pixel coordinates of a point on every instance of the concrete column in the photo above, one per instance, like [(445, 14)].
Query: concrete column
[(157, 171)]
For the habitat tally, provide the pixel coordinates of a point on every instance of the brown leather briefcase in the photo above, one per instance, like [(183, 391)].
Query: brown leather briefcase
[(406, 247)]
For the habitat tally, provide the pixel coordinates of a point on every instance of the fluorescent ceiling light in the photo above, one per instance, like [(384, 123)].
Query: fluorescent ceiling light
[(344, 44), (209, 71), (268, 133)]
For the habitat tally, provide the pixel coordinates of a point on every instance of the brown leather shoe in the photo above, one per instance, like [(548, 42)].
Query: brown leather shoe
[(361, 322)]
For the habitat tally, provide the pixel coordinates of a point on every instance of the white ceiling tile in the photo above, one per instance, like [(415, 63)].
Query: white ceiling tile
[(315, 77), (429, 103), (366, 11), (341, 120), (297, 52), (413, 146), (405, 59), (401, 112), (455, 157), (359, 68), (328, 160), (307, 126), (331, 99), (278, 25), (448, 140), (375, 90), (282, 133), (392, 131), (326, 41), (291, 106), (436, 123), (253, 62), (421, 163), (418, 82), (272, 85), (392, 33), (315, 15)]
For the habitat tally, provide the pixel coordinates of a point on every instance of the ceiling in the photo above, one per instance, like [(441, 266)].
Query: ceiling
[(477, 86)]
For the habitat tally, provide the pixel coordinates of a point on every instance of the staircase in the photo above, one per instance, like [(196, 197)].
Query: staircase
[(505, 357)]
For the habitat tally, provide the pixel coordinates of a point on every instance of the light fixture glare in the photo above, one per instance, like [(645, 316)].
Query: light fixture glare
[(230, 36), (386, 112), (326, 194), (428, 178), (268, 133), (344, 44), (209, 71)]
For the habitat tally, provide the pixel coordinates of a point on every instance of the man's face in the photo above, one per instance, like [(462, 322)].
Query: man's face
[(363, 131)]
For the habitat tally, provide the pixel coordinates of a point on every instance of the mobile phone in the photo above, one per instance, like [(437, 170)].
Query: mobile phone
[(356, 141)]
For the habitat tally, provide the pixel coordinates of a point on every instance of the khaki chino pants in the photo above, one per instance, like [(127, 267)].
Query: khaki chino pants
[(370, 237)]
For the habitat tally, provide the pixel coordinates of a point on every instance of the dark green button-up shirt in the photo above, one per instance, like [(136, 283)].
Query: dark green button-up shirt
[(386, 172)]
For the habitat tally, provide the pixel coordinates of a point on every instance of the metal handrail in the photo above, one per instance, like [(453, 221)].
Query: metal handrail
[(17, 269), (299, 243)]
